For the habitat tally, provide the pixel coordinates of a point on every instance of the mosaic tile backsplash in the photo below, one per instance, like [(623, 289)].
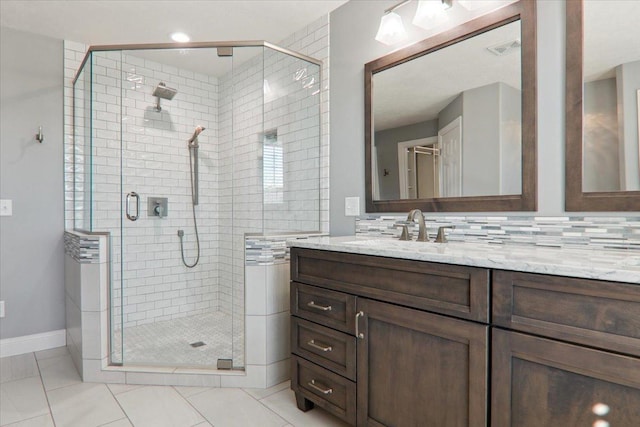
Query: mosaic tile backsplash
[(271, 249), (82, 248), (564, 231)]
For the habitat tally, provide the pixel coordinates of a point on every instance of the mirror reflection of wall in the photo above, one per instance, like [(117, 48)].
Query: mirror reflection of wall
[(611, 151), (470, 114)]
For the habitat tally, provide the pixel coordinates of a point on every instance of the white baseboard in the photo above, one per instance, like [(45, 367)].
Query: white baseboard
[(31, 343)]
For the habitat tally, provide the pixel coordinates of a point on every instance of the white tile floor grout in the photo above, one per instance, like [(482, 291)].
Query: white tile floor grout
[(168, 342), (37, 391)]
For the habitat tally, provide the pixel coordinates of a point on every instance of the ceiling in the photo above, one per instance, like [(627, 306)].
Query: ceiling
[(611, 36), (150, 21), (419, 89)]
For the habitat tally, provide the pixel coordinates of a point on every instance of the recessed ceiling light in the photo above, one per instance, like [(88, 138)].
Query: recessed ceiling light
[(180, 37)]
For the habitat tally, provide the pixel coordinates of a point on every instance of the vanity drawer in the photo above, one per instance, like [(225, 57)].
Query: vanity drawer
[(334, 309), (331, 349), (324, 388), (591, 312), (453, 290)]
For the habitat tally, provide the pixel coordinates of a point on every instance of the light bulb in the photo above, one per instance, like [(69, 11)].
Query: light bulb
[(180, 37), (430, 14), (480, 4), (391, 30)]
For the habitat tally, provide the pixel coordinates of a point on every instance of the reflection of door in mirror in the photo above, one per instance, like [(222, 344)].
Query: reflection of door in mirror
[(450, 143), (418, 168), (427, 161), (611, 147)]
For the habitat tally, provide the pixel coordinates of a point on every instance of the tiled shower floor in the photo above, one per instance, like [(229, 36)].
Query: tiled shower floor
[(167, 343)]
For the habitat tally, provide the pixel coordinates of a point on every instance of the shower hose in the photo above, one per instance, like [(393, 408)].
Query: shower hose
[(195, 220)]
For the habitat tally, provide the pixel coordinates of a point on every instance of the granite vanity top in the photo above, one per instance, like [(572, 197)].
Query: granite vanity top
[(601, 264)]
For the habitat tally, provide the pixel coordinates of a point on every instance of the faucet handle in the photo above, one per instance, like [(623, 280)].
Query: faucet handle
[(441, 237), (406, 234)]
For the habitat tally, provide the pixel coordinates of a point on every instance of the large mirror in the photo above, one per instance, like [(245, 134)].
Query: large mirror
[(450, 121), (603, 106)]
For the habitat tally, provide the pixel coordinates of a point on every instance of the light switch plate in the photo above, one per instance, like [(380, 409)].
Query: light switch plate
[(6, 207), (1, 308), (352, 206)]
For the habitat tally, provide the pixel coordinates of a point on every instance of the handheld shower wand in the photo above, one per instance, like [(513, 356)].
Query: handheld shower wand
[(192, 143)]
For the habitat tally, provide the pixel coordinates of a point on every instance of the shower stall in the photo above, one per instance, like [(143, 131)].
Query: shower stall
[(179, 153)]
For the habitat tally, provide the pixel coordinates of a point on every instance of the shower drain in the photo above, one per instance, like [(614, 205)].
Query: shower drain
[(197, 344)]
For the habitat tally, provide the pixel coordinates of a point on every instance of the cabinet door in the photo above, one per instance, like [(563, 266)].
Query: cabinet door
[(419, 369), (541, 382)]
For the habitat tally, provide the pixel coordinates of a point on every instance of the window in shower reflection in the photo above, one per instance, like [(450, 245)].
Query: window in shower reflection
[(272, 168)]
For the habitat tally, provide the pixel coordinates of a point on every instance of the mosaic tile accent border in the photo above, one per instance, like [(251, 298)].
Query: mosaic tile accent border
[(82, 248), (564, 231), (271, 249)]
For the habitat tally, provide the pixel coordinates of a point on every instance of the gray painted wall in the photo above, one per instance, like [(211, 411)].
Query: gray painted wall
[(481, 141), (601, 138), (31, 247), (386, 142), (489, 144), (628, 79), (450, 112), (353, 28), (510, 140)]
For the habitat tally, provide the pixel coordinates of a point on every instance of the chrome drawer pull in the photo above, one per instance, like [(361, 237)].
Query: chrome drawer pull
[(359, 334), (313, 385), (319, 307), (313, 344)]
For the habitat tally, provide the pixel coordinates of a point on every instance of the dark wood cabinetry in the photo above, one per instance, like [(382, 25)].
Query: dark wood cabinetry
[(542, 382), (393, 342), (420, 369), (413, 367), (570, 357)]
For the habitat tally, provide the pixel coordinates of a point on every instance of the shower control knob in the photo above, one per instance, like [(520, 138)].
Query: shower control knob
[(157, 207)]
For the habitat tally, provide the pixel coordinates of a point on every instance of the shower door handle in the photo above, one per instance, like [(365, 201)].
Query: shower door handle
[(130, 196)]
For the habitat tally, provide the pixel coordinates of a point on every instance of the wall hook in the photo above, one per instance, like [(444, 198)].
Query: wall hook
[(39, 135)]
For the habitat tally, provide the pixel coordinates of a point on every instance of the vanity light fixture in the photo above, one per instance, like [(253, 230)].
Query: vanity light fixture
[(391, 30), (179, 37), (431, 13), (478, 4)]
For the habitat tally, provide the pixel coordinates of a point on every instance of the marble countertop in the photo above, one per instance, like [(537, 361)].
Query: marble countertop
[(612, 265)]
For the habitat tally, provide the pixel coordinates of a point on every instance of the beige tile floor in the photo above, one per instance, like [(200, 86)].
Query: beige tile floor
[(43, 389)]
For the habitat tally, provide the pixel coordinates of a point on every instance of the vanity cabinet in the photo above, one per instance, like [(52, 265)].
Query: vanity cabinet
[(394, 342), (419, 369), (571, 355), (379, 341), (542, 382)]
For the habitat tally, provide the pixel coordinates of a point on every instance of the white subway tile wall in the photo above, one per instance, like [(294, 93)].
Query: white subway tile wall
[(147, 150)]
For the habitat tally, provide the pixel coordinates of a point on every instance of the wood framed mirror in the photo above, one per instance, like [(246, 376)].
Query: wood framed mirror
[(465, 163), (602, 145)]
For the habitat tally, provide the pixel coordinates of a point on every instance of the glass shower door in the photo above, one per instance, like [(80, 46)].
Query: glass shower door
[(171, 310)]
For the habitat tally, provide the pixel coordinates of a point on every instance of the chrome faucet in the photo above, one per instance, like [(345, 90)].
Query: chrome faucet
[(441, 237), (423, 236)]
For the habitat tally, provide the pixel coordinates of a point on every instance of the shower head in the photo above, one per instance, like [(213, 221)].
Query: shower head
[(194, 138), (162, 91)]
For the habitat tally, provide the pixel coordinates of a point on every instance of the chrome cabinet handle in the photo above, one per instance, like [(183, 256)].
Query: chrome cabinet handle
[(313, 385), (319, 307), (130, 196), (313, 344), (358, 333)]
